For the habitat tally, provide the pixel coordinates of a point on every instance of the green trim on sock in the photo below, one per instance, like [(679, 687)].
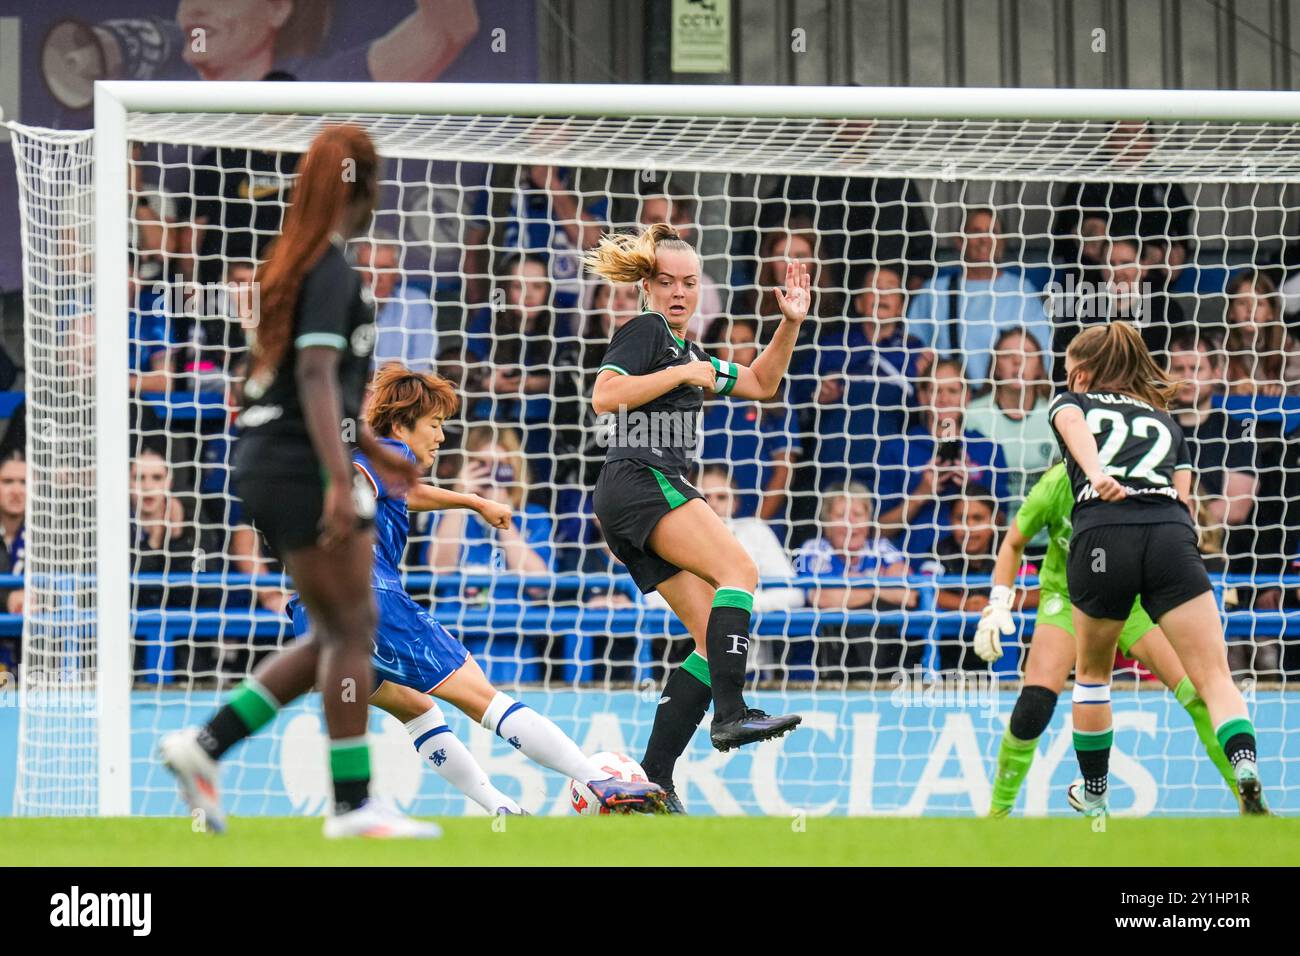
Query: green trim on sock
[(734, 597), (1185, 692), (253, 704), (697, 667), (1094, 739), (1200, 715), (349, 760), (675, 498), (1236, 725)]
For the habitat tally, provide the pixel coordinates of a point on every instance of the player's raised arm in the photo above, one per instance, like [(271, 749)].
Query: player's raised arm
[(761, 380)]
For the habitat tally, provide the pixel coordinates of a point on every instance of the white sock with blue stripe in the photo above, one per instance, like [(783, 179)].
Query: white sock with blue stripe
[(539, 739), (452, 760)]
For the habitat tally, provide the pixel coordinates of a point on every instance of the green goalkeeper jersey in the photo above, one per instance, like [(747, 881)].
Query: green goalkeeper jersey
[(1048, 506)]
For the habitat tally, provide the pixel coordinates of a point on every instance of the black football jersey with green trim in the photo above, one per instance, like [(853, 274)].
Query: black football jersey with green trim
[(1139, 445), (664, 432)]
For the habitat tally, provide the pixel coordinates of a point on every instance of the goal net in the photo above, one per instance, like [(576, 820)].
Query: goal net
[(957, 241)]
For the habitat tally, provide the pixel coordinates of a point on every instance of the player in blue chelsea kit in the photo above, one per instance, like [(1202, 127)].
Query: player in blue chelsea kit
[(416, 658)]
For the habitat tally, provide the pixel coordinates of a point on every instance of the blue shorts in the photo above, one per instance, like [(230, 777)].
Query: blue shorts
[(411, 648)]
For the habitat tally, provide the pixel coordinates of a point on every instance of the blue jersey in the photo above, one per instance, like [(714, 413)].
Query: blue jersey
[(392, 525)]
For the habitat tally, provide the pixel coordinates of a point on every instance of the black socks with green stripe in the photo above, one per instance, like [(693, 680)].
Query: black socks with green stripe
[(681, 707), (727, 641), (350, 771), (250, 707), (1093, 750), (1237, 738)]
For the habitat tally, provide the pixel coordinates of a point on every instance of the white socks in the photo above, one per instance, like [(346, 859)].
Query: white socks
[(435, 742), (539, 739)]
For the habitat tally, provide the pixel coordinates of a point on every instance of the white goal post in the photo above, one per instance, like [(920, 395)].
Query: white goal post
[(1004, 137)]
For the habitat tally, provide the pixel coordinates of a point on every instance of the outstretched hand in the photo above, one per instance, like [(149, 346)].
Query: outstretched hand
[(796, 298)]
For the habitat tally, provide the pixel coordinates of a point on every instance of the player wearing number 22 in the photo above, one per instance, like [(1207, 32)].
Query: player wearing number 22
[(653, 519), (1133, 537)]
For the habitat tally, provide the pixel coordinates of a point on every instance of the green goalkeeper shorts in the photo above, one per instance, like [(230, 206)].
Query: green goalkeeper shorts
[(1054, 608)]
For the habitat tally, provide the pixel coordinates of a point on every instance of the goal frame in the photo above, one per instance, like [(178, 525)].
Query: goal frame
[(114, 100)]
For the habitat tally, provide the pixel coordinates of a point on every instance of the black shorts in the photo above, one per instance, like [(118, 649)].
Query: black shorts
[(1111, 565), (286, 506), (631, 497)]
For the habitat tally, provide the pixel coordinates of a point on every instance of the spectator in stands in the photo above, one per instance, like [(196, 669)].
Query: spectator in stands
[(750, 440), (863, 219), (1241, 478), (494, 467), (405, 321), (920, 473), (611, 305), (862, 387), (534, 376), (539, 211), (13, 513), (850, 546), (1014, 413), (720, 493), (1263, 356), (163, 537), (1127, 209), (969, 551), (960, 311), (13, 525), (1223, 453), (677, 208), (527, 336), (248, 555), (1132, 290), (152, 339), (801, 242)]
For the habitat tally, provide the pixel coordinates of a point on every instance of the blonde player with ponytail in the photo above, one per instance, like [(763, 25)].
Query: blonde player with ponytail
[(650, 390)]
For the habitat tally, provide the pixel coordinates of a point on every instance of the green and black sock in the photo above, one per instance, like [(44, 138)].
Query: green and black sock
[(682, 705), (249, 708), (1237, 737), (350, 771), (727, 640), (1093, 750)]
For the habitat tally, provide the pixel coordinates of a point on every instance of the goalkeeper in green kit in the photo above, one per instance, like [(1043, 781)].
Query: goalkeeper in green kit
[(1052, 653)]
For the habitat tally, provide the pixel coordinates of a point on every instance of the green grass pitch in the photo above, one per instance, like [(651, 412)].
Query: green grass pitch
[(669, 841)]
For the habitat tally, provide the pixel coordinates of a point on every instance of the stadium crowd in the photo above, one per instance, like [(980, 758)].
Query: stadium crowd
[(912, 424)]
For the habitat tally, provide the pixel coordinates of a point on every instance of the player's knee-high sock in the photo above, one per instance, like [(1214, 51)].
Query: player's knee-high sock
[(1029, 718), (350, 771), (682, 706), (539, 739), (452, 761), (1237, 737), (1200, 715), (727, 642), (249, 708), (1092, 747)]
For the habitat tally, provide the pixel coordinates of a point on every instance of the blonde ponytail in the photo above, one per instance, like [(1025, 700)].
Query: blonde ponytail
[(624, 257)]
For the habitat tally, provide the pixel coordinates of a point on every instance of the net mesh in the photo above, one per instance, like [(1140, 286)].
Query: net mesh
[(951, 261)]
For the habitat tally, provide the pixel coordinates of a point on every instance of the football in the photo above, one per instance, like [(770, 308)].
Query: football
[(622, 766)]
